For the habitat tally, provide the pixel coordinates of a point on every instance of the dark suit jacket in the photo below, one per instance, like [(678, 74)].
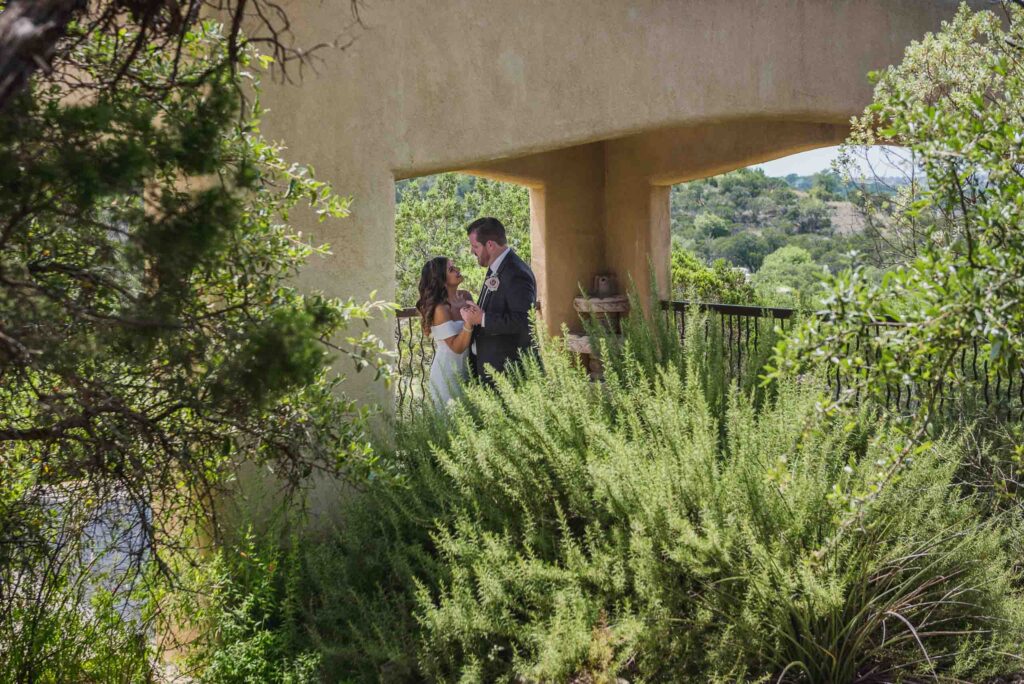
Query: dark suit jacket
[(506, 332)]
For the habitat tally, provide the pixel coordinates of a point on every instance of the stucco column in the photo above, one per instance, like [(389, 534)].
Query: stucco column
[(637, 226), (566, 228)]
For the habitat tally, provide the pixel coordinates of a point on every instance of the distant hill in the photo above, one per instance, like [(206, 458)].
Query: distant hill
[(745, 215), (846, 219), (882, 185)]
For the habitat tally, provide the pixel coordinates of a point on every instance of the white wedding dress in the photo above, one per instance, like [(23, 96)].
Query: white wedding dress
[(448, 370)]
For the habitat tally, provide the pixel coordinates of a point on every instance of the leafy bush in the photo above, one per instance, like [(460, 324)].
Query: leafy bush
[(249, 628), (789, 276), (956, 101), (945, 323), (362, 579), (563, 530), (693, 279)]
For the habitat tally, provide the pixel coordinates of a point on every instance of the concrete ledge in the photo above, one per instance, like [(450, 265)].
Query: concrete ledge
[(613, 304), (579, 344)]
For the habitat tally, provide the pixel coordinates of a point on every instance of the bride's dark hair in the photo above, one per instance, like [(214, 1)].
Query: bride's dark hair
[(433, 289)]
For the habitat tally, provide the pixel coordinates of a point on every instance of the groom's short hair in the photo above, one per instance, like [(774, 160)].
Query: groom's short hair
[(486, 229)]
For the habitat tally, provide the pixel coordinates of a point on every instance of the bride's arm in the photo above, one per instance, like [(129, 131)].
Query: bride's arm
[(457, 343)]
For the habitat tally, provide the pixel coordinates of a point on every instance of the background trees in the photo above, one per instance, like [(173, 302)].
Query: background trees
[(788, 275), (431, 220), (743, 216)]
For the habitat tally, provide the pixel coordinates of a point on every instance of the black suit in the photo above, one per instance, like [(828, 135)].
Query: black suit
[(506, 333)]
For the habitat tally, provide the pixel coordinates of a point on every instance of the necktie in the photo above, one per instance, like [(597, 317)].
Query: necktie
[(480, 302), (484, 291)]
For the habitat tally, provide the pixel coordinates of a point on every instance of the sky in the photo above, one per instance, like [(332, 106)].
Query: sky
[(883, 159)]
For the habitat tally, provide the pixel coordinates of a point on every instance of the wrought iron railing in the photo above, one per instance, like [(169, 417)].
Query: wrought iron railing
[(744, 336), (741, 330), (415, 353), (974, 386)]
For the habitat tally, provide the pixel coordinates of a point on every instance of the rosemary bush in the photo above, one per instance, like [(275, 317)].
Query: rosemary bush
[(562, 530)]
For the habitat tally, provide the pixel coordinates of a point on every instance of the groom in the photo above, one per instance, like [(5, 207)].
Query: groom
[(501, 317)]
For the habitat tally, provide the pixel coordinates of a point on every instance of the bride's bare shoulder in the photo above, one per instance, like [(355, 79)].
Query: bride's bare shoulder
[(442, 314)]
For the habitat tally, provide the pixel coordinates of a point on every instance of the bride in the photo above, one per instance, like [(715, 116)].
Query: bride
[(441, 304)]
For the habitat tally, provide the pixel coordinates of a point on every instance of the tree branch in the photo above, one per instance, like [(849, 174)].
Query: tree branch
[(29, 33)]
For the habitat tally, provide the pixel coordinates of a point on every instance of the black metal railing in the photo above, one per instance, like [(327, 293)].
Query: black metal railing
[(742, 331), (744, 336), (415, 353), (972, 385)]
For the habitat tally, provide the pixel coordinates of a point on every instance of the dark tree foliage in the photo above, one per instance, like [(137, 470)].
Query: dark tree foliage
[(150, 341), (44, 35)]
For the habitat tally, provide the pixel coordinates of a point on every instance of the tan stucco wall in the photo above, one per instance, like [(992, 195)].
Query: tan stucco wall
[(598, 105)]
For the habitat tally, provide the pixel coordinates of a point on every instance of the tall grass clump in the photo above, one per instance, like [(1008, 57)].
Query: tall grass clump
[(558, 529)]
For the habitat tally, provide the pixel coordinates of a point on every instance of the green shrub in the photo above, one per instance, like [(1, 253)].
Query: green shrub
[(362, 578), (75, 632), (69, 612), (723, 350), (789, 276), (248, 625), (564, 530), (720, 282)]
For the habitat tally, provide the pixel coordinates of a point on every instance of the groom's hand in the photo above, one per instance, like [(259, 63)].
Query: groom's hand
[(472, 314)]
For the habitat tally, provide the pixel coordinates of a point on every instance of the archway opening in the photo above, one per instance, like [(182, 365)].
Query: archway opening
[(431, 215)]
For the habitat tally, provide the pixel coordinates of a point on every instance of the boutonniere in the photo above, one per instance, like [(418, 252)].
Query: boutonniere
[(492, 283)]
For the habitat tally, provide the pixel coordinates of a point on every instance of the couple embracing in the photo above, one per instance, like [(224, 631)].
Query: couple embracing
[(494, 331)]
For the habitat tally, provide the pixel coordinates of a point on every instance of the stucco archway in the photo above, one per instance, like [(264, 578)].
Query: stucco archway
[(597, 106)]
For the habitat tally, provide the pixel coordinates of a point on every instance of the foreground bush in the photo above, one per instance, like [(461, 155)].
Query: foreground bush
[(253, 610), (561, 530)]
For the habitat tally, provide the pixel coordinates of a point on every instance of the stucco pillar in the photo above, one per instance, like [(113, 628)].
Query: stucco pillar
[(637, 231), (597, 211), (566, 231)]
